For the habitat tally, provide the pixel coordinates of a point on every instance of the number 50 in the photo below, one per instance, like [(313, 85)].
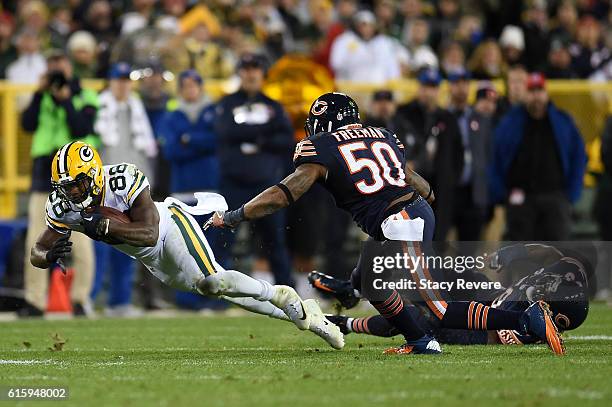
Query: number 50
[(384, 154)]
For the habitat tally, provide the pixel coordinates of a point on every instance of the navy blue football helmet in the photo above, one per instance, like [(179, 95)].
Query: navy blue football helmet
[(330, 112)]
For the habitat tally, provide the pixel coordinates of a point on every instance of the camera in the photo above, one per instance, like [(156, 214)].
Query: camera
[(57, 79)]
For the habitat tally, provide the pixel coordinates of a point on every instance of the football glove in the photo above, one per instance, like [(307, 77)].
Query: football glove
[(60, 249), (95, 225)]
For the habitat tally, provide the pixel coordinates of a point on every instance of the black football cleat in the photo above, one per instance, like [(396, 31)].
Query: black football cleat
[(339, 321), (341, 290)]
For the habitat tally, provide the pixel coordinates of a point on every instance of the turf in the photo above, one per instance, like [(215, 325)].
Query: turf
[(255, 361)]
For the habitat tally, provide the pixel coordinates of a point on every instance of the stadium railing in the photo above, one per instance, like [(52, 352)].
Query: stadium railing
[(588, 102)]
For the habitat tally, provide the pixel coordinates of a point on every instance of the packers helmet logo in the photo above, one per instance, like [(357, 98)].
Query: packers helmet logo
[(319, 107), (562, 321), (86, 153)]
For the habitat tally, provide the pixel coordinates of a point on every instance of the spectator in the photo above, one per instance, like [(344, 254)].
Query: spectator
[(127, 137), (99, 22), (123, 125), (536, 35), (30, 64), (487, 63), (8, 52), (345, 10), (190, 147), (498, 14), (433, 145), (418, 45), (448, 14), (411, 11), (34, 16), (382, 110), (565, 21), (588, 53), (470, 196), (538, 167), (189, 143), (172, 11), (82, 48), (197, 50), (363, 55), (604, 72), (255, 142), (512, 42), (155, 100), (486, 101), (559, 61), (140, 17), (453, 57), (389, 20), (60, 27), (516, 89), (320, 29), (469, 32), (60, 112)]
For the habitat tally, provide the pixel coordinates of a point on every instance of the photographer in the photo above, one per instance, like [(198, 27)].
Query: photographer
[(60, 112)]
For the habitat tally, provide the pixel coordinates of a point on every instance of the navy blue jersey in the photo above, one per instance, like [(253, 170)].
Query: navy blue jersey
[(365, 171)]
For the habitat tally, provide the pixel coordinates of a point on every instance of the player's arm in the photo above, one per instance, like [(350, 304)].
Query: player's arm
[(50, 247), (539, 253), (143, 230), (419, 184), (274, 198)]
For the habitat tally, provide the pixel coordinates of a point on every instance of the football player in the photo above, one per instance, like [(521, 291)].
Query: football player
[(560, 277), (365, 170), (163, 236)]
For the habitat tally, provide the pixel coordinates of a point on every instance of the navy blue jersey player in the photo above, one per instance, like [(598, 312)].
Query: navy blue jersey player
[(364, 168)]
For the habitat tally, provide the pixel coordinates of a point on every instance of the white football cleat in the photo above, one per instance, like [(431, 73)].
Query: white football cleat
[(321, 326), (290, 302)]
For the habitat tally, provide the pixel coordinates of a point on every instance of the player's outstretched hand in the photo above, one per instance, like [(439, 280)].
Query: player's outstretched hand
[(216, 220), (60, 249)]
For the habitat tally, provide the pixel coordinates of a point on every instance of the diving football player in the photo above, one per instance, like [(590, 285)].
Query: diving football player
[(163, 236)]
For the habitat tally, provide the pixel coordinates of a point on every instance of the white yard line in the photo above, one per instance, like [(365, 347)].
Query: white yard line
[(25, 362), (591, 337)]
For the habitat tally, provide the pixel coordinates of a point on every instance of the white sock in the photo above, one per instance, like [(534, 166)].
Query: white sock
[(258, 307), (349, 324), (232, 283), (267, 291)]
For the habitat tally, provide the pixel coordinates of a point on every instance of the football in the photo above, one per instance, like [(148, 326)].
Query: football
[(112, 213)]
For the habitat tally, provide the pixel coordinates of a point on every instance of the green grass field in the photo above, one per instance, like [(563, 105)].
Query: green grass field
[(255, 361)]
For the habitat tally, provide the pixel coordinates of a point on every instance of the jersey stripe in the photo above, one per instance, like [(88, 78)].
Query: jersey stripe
[(57, 226), (137, 184), (196, 247)]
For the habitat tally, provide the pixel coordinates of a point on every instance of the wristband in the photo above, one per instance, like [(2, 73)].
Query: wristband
[(429, 193), (284, 188), (233, 218)]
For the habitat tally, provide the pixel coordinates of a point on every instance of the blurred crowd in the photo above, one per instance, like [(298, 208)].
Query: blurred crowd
[(367, 41), (515, 150)]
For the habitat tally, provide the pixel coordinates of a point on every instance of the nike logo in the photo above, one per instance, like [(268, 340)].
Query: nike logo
[(303, 312)]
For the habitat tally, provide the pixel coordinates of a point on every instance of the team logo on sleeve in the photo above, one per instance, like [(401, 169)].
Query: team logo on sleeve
[(319, 107), (304, 148), (86, 153)]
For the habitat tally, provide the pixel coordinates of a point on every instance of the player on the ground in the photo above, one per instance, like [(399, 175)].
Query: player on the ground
[(560, 277), (365, 169), (163, 236)]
